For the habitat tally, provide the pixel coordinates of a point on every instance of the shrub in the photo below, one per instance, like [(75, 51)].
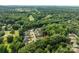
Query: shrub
[(10, 39)]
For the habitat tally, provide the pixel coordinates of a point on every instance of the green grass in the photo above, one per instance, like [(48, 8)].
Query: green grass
[(5, 39), (7, 32), (17, 33)]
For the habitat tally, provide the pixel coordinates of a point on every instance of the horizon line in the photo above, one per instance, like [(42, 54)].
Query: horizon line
[(41, 5)]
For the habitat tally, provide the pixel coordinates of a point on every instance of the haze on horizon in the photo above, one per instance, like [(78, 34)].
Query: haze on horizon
[(41, 2)]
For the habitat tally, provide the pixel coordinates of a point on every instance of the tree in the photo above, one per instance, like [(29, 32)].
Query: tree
[(3, 49), (15, 46), (57, 39), (47, 45), (10, 39), (39, 50), (16, 26), (12, 31), (29, 48), (1, 40), (62, 49), (49, 48), (2, 33), (21, 32)]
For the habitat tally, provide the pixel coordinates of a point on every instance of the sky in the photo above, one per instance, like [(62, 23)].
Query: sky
[(41, 2)]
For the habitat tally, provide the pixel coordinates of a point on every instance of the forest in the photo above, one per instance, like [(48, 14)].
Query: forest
[(39, 29)]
